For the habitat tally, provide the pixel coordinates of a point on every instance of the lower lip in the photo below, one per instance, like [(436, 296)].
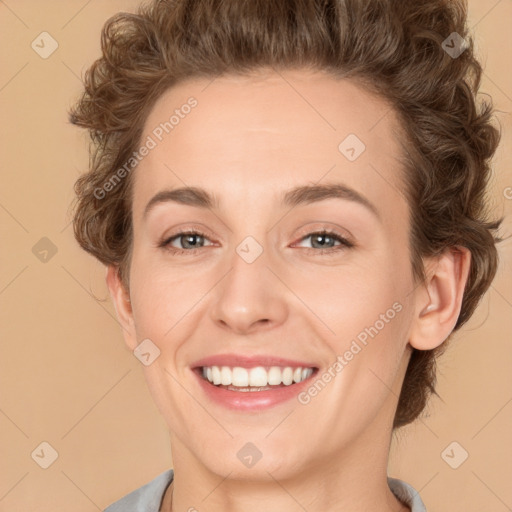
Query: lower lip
[(252, 400)]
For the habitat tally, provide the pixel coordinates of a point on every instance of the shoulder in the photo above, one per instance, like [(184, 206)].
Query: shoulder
[(406, 494), (146, 498)]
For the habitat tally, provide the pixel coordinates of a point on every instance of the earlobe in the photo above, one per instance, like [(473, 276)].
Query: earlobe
[(439, 299), (122, 303)]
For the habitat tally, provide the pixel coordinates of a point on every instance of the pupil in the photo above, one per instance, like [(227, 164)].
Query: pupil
[(322, 237), (188, 239)]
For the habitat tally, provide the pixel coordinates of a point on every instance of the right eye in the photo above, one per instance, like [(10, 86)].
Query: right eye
[(188, 240)]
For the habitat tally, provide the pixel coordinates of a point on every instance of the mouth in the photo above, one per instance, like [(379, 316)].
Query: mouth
[(255, 379), (247, 384)]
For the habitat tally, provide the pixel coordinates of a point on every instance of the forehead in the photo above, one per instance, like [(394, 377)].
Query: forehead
[(244, 137)]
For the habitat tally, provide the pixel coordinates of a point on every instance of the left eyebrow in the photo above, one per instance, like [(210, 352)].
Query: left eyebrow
[(301, 195), (308, 194)]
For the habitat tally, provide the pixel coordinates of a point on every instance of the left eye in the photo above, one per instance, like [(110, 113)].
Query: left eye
[(188, 241), (323, 240)]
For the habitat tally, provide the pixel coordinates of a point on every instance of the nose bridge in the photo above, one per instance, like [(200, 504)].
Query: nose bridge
[(249, 295)]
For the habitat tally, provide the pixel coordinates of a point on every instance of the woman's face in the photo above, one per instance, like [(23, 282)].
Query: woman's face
[(256, 286)]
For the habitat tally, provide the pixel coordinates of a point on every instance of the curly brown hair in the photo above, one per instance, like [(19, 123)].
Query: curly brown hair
[(392, 48)]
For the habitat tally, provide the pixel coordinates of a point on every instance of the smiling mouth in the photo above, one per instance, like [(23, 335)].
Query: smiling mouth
[(259, 378)]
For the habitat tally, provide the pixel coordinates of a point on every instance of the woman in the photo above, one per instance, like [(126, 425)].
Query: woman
[(288, 196)]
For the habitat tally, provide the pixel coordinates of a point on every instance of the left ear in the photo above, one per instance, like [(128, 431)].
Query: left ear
[(439, 299)]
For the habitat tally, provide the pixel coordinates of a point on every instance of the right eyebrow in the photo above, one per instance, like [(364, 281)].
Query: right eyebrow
[(191, 196)]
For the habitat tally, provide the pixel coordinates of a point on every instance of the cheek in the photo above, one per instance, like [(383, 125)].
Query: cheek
[(351, 299), (367, 310), (163, 311), (367, 352), (166, 301)]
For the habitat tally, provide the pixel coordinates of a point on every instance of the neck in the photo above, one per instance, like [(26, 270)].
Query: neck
[(354, 479)]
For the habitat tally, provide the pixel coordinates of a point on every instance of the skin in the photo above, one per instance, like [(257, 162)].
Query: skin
[(248, 140)]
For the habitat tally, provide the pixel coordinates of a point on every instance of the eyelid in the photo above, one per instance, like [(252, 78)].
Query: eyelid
[(193, 228)]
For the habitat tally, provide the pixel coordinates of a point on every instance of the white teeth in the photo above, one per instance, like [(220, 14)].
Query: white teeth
[(215, 375), (239, 377), (287, 376), (225, 376), (255, 377), (274, 376)]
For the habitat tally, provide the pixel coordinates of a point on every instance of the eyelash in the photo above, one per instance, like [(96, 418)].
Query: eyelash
[(344, 243)]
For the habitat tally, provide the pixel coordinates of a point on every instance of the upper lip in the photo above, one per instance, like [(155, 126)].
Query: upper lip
[(233, 360)]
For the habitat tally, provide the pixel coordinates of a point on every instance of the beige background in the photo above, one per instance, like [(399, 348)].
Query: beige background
[(66, 377)]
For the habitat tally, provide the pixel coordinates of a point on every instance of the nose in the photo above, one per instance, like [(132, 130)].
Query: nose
[(250, 297)]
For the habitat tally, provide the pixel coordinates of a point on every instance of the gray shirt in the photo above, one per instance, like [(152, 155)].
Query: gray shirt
[(148, 498)]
